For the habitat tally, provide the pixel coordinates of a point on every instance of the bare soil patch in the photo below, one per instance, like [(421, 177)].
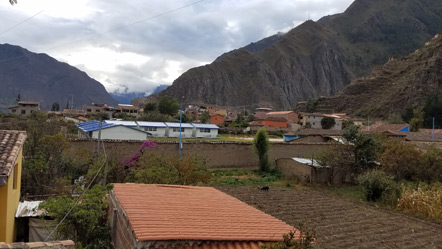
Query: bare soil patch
[(341, 223)]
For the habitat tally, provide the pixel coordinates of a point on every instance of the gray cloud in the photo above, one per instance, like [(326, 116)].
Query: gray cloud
[(186, 38)]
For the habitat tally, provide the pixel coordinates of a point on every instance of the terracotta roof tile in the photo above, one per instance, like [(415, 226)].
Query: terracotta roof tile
[(11, 143), (169, 212), (212, 245)]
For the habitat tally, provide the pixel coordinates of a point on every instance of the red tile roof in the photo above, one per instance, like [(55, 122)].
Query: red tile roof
[(212, 245), (11, 143), (169, 212)]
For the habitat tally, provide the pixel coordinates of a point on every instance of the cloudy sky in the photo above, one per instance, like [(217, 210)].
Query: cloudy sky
[(137, 45)]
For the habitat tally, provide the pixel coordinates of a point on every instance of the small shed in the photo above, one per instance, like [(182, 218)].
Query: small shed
[(303, 169), (173, 129), (206, 130), (157, 129)]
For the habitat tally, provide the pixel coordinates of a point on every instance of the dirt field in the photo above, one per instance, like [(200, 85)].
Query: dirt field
[(341, 223)]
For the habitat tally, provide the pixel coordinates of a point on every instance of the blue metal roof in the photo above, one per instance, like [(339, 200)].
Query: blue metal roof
[(205, 126), (177, 125), (93, 125)]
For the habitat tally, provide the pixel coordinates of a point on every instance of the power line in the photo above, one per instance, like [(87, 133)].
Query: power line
[(20, 23), (79, 198), (112, 30)]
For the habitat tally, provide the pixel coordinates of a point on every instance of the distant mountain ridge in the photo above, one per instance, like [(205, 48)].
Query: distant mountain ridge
[(313, 59), (399, 84), (39, 77)]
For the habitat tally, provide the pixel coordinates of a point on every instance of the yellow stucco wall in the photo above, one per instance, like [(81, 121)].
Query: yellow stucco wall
[(9, 198)]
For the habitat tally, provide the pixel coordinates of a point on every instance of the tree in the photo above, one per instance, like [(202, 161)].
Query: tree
[(204, 117), (18, 98), (364, 147), (86, 224), (417, 121), (55, 107), (261, 147), (168, 106), (338, 158), (150, 107), (327, 122)]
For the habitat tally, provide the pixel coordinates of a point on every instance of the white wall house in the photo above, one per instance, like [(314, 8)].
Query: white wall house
[(157, 129), (174, 130), (206, 130), (91, 129)]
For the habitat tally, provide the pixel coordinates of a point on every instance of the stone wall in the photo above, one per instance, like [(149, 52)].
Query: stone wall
[(218, 154), (65, 244)]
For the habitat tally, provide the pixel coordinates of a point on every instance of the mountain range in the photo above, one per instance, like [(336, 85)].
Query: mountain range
[(390, 89), (39, 77), (314, 59)]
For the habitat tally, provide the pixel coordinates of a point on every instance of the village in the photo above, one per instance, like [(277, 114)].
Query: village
[(306, 149), (200, 124)]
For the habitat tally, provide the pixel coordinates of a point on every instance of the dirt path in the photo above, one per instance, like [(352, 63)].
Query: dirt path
[(341, 223)]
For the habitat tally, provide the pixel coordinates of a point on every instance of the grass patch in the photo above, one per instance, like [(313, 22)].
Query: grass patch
[(245, 177)]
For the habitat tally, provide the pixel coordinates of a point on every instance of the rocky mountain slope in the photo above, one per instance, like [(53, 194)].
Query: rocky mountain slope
[(390, 89), (39, 77), (313, 59)]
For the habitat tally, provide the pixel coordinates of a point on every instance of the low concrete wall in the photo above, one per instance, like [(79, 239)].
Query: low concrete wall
[(218, 154), (65, 244)]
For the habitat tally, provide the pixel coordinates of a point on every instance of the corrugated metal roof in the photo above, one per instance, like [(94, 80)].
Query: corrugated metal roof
[(307, 161), (93, 125), (206, 126), (28, 209), (151, 124), (124, 123), (171, 212), (177, 125)]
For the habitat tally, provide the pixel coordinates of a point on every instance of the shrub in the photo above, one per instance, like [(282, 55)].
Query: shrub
[(294, 240), (152, 168), (401, 160), (378, 185), (425, 202), (86, 224)]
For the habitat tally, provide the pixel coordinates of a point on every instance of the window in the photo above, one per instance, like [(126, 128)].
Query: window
[(150, 128), (178, 129), (89, 110), (23, 111), (14, 110), (205, 130)]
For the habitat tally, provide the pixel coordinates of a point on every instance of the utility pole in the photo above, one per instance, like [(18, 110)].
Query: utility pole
[(99, 137), (433, 130)]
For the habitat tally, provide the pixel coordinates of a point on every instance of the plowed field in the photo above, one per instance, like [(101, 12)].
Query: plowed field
[(341, 223)]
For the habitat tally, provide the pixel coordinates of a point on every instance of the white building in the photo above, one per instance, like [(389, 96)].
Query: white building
[(206, 130), (91, 129), (157, 129), (174, 130)]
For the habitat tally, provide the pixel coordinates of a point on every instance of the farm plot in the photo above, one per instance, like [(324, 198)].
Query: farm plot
[(340, 223)]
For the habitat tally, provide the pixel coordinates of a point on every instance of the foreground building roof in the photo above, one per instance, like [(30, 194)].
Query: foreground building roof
[(11, 142), (161, 213)]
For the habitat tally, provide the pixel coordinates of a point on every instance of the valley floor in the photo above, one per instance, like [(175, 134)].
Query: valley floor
[(341, 223)]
